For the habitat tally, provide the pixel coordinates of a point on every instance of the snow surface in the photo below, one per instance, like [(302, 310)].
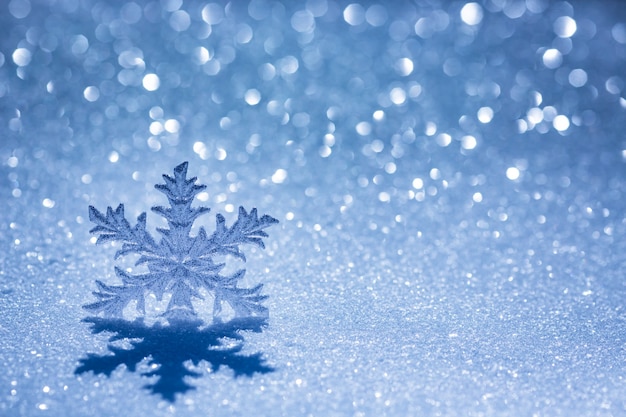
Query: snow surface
[(449, 179)]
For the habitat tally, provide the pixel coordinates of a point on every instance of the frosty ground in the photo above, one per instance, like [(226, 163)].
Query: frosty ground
[(448, 177)]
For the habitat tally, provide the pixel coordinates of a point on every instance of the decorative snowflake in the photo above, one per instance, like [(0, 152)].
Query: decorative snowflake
[(179, 264)]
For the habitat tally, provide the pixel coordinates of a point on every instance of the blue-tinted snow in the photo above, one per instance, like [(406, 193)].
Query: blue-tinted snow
[(449, 177)]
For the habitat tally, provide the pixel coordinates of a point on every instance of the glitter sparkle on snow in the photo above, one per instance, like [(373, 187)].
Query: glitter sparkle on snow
[(449, 176)]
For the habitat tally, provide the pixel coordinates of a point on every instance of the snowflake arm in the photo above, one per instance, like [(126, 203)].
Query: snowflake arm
[(114, 227), (180, 193), (248, 229), (244, 301), (112, 299)]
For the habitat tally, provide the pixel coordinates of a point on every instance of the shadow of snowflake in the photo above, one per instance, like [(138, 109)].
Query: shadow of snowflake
[(168, 347)]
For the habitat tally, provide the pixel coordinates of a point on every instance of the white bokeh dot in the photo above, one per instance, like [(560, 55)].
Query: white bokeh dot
[(485, 114), (151, 82), (252, 97), (354, 14), (21, 57), (552, 58), (468, 142), (279, 176), (472, 14), (561, 123), (404, 66), (512, 173), (91, 93), (577, 77), (565, 27)]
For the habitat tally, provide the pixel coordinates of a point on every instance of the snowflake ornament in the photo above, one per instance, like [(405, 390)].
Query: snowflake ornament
[(179, 264)]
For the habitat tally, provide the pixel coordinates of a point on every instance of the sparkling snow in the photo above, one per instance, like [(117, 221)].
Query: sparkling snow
[(449, 176)]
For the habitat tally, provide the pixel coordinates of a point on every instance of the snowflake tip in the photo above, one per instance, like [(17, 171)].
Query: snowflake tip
[(95, 215), (181, 169), (266, 219)]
